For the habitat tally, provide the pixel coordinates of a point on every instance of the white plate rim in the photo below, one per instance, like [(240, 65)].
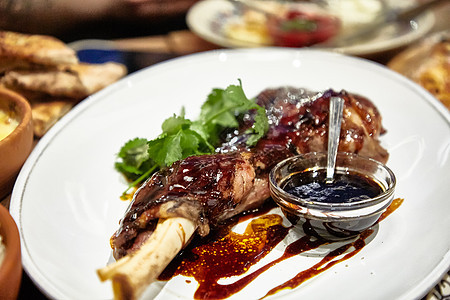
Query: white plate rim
[(41, 281)]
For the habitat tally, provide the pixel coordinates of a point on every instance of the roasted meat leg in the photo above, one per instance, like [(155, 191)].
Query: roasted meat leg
[(199, 192)]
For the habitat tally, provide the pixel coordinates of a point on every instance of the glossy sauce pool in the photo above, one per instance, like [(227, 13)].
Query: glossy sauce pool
[(346, 187)]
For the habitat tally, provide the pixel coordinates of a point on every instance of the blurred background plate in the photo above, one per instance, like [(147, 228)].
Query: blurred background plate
[(208, 19), (428, 64)]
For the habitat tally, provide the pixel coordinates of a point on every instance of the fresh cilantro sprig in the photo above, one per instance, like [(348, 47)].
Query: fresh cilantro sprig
[(220, 111), (181, 137), (178, 140)]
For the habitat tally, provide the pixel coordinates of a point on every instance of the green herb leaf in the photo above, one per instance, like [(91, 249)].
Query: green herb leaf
[(298, 25), (221, 109), (182, 137), (260, 126), (133, 154), (165, 149), (177, 141)]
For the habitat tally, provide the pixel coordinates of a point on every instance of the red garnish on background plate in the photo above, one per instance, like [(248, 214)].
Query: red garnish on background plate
[(300, 29)]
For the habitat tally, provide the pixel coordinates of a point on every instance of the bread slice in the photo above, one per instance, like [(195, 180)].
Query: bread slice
[(95, 77), (19, 50), (46, 114), (73, 81)]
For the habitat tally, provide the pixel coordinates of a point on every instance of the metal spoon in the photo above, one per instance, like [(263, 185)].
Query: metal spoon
[(334, 130)]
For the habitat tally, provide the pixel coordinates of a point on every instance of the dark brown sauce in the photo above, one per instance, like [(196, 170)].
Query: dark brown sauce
[(393, 207), (327, 262), (347, 187), (225, 253)]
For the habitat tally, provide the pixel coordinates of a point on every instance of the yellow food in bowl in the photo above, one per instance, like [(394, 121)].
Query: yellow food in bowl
[(8, 123), (2, 251), (17, 145)]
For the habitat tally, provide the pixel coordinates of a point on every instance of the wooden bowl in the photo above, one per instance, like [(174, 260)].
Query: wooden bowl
[(15, 147), (11, 267)]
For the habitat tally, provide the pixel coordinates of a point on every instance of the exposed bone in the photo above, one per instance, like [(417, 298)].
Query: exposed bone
[(132, 273)]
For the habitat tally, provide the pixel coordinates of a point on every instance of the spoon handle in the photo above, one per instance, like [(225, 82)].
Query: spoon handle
[(334, 130)]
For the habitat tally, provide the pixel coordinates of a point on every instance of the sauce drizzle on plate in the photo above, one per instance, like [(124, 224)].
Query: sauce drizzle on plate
[(225, 253)]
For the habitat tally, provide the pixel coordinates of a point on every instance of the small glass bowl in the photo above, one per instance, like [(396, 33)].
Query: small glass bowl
[(332, 221)]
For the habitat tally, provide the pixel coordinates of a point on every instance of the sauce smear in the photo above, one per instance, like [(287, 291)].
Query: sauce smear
[(224, 253)]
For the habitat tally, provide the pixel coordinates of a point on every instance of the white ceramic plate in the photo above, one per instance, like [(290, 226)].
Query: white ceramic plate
[(208, 17), (66, 199)]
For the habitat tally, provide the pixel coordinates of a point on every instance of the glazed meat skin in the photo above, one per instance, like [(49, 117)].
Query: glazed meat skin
[(299, 118), (208, 189)]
